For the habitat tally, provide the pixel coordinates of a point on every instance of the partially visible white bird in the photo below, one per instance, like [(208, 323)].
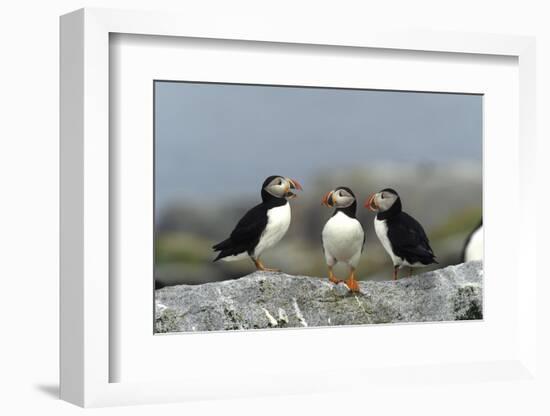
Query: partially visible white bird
[(473, 247)]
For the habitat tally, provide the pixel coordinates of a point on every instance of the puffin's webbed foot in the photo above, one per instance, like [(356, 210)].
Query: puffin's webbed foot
[(332, 277), (351, 283), (395, 271), (260, 266)]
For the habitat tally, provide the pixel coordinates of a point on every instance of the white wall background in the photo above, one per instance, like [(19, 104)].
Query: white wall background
[(29, 206)]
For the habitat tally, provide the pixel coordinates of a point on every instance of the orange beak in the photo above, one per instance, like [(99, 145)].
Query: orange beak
[(371, 202), (294, 184), (327, 199)]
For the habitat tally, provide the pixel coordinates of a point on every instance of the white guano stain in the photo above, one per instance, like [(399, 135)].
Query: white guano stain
[(283, 317), (270, 318), (298, 312)]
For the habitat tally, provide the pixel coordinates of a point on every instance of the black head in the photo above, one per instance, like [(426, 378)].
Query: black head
[(391, 191)]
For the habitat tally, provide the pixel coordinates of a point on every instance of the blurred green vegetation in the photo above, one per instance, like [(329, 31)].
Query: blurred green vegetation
[(181, 247), (460, 223), (445, 200)]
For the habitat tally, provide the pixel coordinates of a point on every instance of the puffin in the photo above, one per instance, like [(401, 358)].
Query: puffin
[(343, 236), (262, 226), (401, 235), (473, 247)]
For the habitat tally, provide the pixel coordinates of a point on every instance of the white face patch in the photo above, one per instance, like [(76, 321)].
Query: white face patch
[(278, 187), (342, 198), (385, 200)]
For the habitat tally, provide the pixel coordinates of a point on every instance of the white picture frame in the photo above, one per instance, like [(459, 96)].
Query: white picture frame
[(87, 356)]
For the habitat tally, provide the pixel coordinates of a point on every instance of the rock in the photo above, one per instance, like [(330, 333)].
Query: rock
[(278, 300)]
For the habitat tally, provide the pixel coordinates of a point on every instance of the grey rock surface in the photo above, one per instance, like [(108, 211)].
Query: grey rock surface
[(278, 300)]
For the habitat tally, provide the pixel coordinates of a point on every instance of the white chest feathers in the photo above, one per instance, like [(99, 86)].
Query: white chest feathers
[(381, 229), (278, 221), (343, 239), (474, 249)]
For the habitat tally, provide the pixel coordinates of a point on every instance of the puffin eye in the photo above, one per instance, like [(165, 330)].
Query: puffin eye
[(382, 196)]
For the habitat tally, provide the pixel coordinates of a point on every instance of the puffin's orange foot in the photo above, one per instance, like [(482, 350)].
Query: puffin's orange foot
[(395, 272), (267, 269), (353, 285), (334, 280), (260, 267)]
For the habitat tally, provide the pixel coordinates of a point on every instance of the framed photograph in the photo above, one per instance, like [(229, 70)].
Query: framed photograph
[(255, 204), (214, 175)]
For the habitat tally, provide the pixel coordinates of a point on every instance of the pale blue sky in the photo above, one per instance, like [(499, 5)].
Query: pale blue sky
[(209, 137)]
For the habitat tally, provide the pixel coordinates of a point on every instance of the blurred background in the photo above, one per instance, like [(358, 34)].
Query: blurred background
[(216, 143)]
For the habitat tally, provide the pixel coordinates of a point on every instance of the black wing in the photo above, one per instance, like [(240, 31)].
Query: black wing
[(409, 240), (246, 234)]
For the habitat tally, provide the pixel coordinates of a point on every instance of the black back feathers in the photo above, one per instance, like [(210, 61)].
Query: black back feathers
[(246, 234), (409, 240), (407, 236)]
